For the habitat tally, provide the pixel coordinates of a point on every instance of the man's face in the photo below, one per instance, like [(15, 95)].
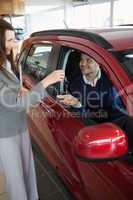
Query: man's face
[(9, 41), (88, 66)]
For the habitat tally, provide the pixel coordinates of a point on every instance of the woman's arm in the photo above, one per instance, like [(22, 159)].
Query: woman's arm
[(10, 99)]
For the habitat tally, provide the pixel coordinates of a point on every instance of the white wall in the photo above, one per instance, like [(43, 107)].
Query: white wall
[(95, 15), (123, 12), (45, 20), (79, 17), (92, 15)]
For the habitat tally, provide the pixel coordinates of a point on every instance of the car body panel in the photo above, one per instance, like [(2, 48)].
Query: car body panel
[(54, 128)]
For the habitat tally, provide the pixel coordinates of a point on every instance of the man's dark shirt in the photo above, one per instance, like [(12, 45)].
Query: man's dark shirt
[(100, 103)]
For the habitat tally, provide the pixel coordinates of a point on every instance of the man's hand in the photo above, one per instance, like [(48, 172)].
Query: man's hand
[(68, 100)]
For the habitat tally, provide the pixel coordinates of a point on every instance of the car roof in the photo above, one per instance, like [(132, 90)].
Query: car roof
[(119, 38), (108, 38)]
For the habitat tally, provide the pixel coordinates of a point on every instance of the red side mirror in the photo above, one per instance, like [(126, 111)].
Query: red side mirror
[(101, 142)]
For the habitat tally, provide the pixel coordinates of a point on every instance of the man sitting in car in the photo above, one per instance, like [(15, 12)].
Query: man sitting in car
[(96, 98)]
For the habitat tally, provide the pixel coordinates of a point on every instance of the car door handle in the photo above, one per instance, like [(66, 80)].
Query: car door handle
[(46, 107), (49, 114)]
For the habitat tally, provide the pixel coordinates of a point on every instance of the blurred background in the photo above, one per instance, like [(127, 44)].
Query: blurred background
[(28, 16)]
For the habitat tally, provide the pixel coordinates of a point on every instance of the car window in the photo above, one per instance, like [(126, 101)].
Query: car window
[(36, 64), (70, 63), (73, 78), (125, 58)]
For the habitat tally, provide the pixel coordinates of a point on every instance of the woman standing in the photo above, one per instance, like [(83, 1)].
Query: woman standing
[(16, 157)]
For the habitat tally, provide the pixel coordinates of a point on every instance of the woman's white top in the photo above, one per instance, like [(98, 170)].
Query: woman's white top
[(8, 67)]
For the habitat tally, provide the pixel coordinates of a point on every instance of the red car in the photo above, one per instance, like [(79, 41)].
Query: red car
[(93, 166)]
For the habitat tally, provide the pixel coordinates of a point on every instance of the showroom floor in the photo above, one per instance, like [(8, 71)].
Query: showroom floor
[(49, 185)]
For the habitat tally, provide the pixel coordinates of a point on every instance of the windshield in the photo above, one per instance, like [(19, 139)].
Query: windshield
[(125, 58)]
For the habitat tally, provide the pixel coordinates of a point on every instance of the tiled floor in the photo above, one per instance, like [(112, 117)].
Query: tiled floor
[(49, 185)]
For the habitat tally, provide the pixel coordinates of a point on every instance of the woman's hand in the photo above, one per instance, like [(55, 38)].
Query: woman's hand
[(22, 91), (54, 77), (16, 50)]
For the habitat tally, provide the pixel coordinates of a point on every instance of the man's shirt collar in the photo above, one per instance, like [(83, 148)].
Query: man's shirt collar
[(94, 82)]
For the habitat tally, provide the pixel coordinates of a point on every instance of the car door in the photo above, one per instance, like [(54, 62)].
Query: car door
[(48, 120), (35, 61), (87, 180), (107, 180)]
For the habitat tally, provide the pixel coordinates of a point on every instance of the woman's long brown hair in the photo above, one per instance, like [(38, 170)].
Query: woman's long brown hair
[(4, 26)]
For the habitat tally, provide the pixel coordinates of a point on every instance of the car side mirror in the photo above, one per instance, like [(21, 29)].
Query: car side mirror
[(100, 142)]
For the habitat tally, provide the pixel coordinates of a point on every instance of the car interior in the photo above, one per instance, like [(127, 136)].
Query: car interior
[(72, 71), (70, 62), (37, 62)]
